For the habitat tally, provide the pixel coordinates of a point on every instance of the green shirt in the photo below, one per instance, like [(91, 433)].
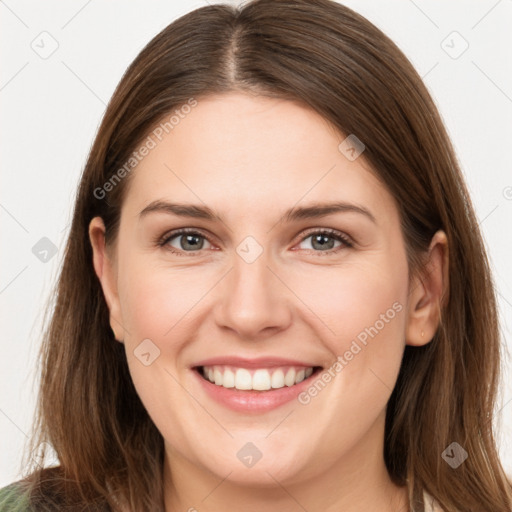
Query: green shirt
[(12, 500)]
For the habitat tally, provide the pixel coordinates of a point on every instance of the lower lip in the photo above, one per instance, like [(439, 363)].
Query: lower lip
[(254, 401)]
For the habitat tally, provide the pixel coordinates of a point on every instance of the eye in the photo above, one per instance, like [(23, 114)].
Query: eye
[(324, 241), (192, 241), (184, 240)]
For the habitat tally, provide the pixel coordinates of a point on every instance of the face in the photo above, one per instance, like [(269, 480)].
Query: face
[(293, 266)]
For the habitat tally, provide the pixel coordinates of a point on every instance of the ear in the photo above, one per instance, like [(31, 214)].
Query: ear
[(105, 270), (428, 293)]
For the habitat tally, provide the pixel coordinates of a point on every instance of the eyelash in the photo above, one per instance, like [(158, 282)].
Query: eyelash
[(332, 233)]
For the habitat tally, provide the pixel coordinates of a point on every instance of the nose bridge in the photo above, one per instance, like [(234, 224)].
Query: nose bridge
[(253, 299)]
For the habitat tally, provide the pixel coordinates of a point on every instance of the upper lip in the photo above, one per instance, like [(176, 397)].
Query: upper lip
[(258, 362)]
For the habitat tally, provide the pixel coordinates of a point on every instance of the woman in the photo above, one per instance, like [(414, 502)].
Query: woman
[(275, 291)]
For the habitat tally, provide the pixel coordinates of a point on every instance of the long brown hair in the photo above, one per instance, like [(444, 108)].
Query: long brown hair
[(334, 61)]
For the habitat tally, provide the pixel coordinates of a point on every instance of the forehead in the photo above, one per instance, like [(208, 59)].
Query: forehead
[(251, 153)]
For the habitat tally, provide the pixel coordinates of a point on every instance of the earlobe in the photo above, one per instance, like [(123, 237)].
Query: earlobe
[(104, 270), (428, 294)]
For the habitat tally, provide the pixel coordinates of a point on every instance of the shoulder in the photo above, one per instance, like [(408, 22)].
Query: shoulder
[(13, 499)]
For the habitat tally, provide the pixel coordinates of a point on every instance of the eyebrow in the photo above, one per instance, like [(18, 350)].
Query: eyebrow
[(312, 211)]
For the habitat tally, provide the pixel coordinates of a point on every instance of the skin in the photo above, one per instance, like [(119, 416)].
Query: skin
[(249, 159)]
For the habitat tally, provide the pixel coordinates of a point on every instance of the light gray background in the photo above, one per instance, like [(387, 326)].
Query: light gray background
[(52, 105)]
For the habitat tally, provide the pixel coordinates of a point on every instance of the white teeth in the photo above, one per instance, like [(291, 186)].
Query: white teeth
[(243, 379), (300, 376), (261, 379), (228, 379), (217, 376), (289, 378), (278, 379)]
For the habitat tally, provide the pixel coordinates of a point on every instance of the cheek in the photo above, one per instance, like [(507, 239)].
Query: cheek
[(357, 301), (360, 311), (154, 298), (155, 304)]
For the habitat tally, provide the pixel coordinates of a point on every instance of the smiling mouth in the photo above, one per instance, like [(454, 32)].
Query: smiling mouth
[(258, 379)]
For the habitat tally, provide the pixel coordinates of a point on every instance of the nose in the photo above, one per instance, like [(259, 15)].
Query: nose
[(253, 302)]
